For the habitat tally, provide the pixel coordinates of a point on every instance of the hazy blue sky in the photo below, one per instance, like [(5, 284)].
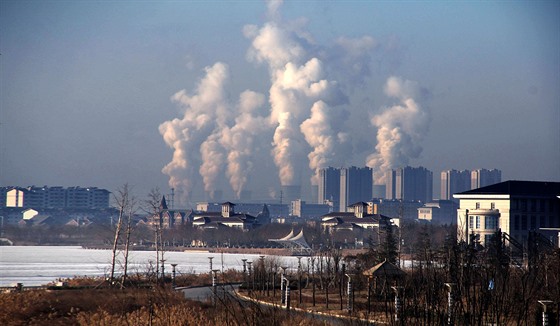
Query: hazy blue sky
[(96, 93)]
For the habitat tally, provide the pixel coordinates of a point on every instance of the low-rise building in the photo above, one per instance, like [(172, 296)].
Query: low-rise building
[(356, 219), (439, 212), (513, 207), (227, 217)]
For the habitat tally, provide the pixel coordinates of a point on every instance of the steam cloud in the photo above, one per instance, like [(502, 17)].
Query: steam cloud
[(400, 128), (303, 118)]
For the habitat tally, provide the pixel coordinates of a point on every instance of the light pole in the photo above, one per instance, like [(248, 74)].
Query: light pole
[(163, 271), (287, 295), (214, 273), (245, 272), (450, 303), (299, 279), (282, 285), (545, 304), (173, 271), (249, 264), (350, 294), (398, 303), (262, 274), (210, 259)]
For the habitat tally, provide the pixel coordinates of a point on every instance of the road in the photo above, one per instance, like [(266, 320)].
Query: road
[(204, 293)]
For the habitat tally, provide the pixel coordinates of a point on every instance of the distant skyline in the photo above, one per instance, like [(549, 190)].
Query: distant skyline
[(230, 96)]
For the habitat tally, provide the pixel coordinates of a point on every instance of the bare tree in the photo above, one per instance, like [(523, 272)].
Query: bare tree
[(122, 202), (153, 206), (130, 213)]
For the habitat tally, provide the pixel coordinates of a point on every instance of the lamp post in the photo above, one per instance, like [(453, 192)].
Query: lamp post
[(313, 278), (282, 285), (249, 264), (287, 294), (173, 271), (163, 271), (210, 259), (245, 272), (398, 303), (262, 274), (299, 279), (214, 284), (545, 304), (450, 303), (350, 294), (274, 281)]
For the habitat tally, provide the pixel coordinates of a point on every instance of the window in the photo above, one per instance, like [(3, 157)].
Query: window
[(478, 222), (487, 239), (471, 222), (542, 205), (542, 222), (492, 205), (516, 222), (523, 205), (477, 205), (533, 222), (523, 222), (490, 223)]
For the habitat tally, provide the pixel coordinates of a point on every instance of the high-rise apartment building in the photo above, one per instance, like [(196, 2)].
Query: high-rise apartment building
[(453, 181), (355, 186), (410, 183), (57, 197), (482, 178), (329, 186)]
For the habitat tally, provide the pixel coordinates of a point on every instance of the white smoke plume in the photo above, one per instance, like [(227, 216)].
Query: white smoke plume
[(241, 140), (400, 128), (204, 113), (299, 82), (322, 135), (300, 125)]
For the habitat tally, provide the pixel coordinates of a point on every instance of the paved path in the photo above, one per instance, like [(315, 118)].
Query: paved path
[(204, 293)]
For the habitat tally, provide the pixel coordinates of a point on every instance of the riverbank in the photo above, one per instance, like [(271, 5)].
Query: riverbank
[(225, 250)]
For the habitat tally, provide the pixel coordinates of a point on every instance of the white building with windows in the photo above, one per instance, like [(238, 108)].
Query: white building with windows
[(514, 207)]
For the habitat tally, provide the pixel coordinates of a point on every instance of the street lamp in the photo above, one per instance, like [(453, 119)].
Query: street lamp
[(450, 303), (398, 304), (163, 270), (249, 264), (282, 285), (350, 294), (173, 271), (545, 304), (214, 273)]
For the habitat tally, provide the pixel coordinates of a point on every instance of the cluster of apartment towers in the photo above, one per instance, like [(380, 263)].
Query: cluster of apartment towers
[(341, 187)]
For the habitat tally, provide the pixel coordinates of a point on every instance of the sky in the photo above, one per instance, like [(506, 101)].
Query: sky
[(218, 99)]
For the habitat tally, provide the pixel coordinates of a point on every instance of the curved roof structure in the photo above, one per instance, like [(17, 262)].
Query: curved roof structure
[(297, 243)]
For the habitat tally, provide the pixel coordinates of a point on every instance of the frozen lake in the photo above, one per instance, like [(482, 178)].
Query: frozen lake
[(39, 265)]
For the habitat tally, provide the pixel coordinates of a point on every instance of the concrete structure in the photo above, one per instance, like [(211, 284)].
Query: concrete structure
[(329, 186), (259, 210), (301, 209), (482, 178), (227, 217), (57, 197), (355, 186), (406, 209), (358, 219), (439, 212), (453, 181), (410, 183), (514, 207)]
